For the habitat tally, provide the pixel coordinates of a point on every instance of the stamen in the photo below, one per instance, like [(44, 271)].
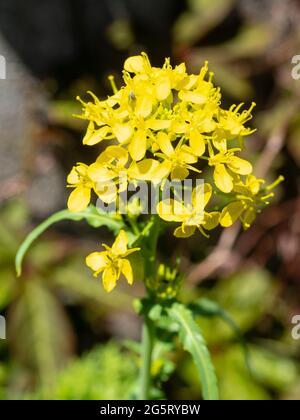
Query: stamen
[(111, 78), (203, 71), (275, 183)]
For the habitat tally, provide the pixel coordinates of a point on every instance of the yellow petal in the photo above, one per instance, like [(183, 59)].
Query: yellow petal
[(189, 82), (194, 97), (239, 166), (73, 177), (197, 143), (172, 211), (79, 199), (184, 231), (143, 106), (97, 260), (201, 195), (120, 245), (138, 145), (95, 136), (113, 153), (179, 173), (126, 270), (222, 178), (161, 172), (123, 132), (79, 171), (220, 142), (109, 278), (142, 170), (254, 184), (158, 124), (130, 251), (186, 154), (231, 213), (147, 170), (163, 88), (211, 220), (178, 127), (107, 191), (164, 143), (97, 173), (135, 64)]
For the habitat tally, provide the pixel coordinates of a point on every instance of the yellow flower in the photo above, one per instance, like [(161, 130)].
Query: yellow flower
[(112, 262), (165, 122), (250, 197), (232, 122), (98, 114), (200, 91), (230, 126), (138, 97), (142, 134), (161, 80), (192, 215), (176, 161), (148, 170), (108, 171), (137, 64), (80, 197), (226, 165), (193, 124)]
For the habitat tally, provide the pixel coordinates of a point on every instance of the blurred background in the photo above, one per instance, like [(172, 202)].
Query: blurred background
[(65, 337)]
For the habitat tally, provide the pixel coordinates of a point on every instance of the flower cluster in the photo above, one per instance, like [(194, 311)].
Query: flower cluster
[(165, 124)]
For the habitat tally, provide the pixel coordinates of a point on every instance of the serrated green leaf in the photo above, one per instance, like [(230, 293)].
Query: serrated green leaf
[(194, 343)]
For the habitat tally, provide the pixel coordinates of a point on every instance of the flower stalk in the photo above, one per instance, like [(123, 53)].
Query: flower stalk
[(146, 358)]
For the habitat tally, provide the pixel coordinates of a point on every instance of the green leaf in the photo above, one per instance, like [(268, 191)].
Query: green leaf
[(97, 218), (208, 308), (193, 342), (247, 296), (91, 215)]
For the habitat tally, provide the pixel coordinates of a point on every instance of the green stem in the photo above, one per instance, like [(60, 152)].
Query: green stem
[(134, 226), (148, 332), (147, 347)]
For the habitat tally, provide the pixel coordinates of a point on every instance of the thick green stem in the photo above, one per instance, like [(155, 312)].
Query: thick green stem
[(147, 346)]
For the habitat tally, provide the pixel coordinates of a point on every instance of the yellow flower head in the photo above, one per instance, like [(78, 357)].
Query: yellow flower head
[(165, 124), (250, 197), (112, 262)]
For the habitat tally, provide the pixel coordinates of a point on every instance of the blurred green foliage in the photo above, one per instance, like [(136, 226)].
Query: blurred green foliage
[(56, 310), (34, 304), (271, 367), (105, 373)]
